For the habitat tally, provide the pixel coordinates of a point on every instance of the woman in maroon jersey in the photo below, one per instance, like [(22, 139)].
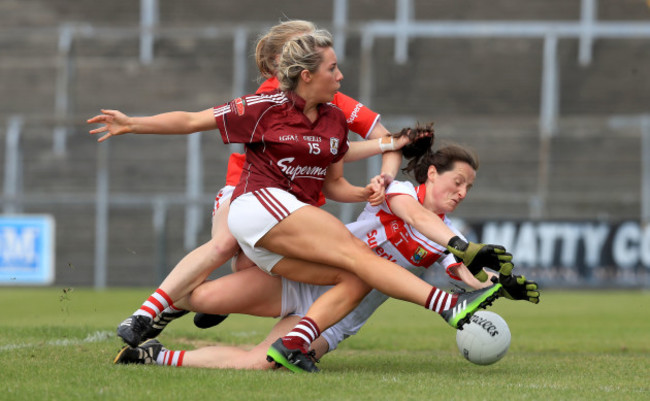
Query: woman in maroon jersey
[(295, 142), (166, 304)]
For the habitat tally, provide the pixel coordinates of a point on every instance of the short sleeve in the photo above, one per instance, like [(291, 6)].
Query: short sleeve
[(238, 120), (400, 188), (360, 119)]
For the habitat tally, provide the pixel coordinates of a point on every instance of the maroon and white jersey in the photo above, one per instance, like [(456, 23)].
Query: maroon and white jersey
[(391, 238), (283, 148)]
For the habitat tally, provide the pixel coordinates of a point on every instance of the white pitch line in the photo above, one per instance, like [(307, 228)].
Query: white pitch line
[(95, 337)]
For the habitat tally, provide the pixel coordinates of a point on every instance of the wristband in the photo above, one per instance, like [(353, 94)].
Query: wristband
[(386, 147)]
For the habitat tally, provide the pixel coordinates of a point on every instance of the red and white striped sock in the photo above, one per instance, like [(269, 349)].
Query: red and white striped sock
[(170, 358), (155, 304), (172, 308), (302, 335), (440, 300)]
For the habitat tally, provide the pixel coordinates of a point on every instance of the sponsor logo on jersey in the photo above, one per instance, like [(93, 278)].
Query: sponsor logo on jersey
[(312, 138), (238, 106), (355, 113), (334, 145), (384, 254), (300, 171), (419, 254), (288, 137)]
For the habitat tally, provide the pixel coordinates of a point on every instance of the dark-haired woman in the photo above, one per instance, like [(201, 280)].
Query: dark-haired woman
[(398, 230)]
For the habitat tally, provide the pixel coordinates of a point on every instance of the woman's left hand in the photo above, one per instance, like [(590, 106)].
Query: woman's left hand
[(376, 190)]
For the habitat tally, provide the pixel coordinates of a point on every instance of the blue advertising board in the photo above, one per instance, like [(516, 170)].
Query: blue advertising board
[(26, 250)]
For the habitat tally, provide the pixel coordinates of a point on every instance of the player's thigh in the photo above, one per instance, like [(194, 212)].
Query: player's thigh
[(220, 221), (312, 234), (250, 291), (222, 240), (311, 272), (220, 218)]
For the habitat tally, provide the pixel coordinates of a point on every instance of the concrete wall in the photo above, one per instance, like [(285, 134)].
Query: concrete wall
[(484, 93)]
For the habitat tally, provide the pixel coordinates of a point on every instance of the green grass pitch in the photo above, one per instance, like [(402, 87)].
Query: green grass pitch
[(58, 344)]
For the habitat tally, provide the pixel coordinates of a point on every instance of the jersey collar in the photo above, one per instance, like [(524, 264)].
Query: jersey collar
[(298, 102), (421, 192)]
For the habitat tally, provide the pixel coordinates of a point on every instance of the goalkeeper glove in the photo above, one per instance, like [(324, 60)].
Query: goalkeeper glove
[(518, 288), (477, 256)]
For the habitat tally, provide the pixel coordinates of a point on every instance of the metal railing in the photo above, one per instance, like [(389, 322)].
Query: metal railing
[(642, 122), (402, 29)]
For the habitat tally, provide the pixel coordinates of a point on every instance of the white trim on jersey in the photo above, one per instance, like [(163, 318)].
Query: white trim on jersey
[(278, 98), (374, 124), (220, 110)]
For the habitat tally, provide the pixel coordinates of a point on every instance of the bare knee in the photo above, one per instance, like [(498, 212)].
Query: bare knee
[(355, 254), (223, 246), (201, 299), (356, 288)]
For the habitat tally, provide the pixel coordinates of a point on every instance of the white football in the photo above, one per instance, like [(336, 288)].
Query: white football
[(485, 339)]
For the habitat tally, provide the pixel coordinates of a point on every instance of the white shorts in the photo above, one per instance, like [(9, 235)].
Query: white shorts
[(298, 297), (254, 214), (222, 197)]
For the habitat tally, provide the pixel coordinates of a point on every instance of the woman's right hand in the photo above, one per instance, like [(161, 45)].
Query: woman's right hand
[(115, 123)]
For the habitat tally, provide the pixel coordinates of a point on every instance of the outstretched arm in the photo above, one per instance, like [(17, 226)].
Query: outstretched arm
[(428, 223), (474, 256), (174, 122), (379, 141)]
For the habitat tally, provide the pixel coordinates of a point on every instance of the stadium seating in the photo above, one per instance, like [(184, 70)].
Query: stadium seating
[(481, 92)]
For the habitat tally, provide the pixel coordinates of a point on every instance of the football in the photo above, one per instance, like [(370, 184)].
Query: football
[(485, 339)]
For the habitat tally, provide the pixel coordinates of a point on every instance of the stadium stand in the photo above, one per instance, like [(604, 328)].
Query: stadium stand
[(479, 91)]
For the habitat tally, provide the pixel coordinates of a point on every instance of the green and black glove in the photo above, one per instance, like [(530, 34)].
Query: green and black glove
[(518, 288), (477, 256)]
